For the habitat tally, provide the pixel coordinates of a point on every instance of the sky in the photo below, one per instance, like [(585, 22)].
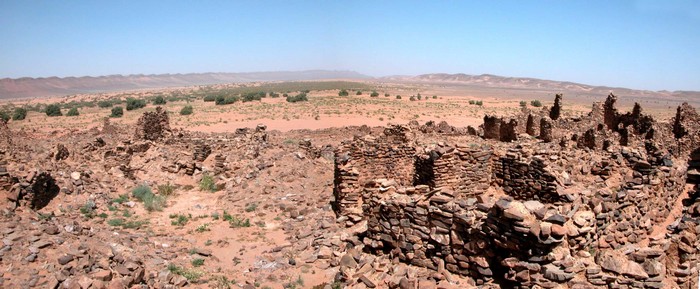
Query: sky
[(643, 44)]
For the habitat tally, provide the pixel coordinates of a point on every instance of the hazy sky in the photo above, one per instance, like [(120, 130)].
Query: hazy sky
[(637, 44)]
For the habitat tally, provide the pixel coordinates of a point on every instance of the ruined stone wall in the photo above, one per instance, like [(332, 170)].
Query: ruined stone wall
[(388, 156), (626, 215), (526, 178), (462, 170), (480, 238)]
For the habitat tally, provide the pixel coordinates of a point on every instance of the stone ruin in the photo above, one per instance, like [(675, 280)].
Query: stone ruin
[(532, 214), (153, 125)]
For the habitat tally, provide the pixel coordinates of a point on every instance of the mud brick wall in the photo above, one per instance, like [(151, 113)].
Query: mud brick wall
[(526, 178), (389, 156)]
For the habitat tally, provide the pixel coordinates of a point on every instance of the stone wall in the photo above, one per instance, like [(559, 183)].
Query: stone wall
[(461, 170), (387, 156), (527, 177)]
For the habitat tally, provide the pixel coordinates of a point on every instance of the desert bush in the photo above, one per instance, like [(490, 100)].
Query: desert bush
[(479, 103), (133, 103), (186, 110), (53, 110), (434, 96), (117, 111), (398, 96), (224, 100), (251, 96), (274, 95), (374, 94), (419, 97), (472, 102), (73, 112), (159, 100), (166, 189), (4, 116), (536, 103), (386, 95), (297, 98), (359, 92), (210, 98), (150, 201), (20, 113), (104, 104), (207, 183), (412, 98), (343, 92), (523, 103)]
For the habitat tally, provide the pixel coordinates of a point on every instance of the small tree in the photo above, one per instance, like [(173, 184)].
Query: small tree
[(19, 114), (73, 112), (536, 103), (374, 94), (117, 111), (159, 100), (343, 92), (53, 110), (187, 110)]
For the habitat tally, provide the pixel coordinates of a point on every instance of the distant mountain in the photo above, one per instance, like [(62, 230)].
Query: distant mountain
[(56, 86), (524, 83)]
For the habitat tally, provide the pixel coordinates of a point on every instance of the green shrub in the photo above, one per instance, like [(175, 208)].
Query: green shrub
[(223, 100), (117, 111), (374, 94), (19, 114), (285, 95), (210, 98), (297, 98), (398, 96), (274, 95), (133, 103), (197, 262), (150, 201), (4, 116), (250, 96), (536, 103), (343, 92), (472, 102), (179, 220), (190, 275), (412, 98), (186, 110), (166, 190), (207, 183), (479, 103), (53, 110), (386, 95), (419, 96), (104, 104), (73, 112), (523, 103), (434, 96), (159, 100)]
